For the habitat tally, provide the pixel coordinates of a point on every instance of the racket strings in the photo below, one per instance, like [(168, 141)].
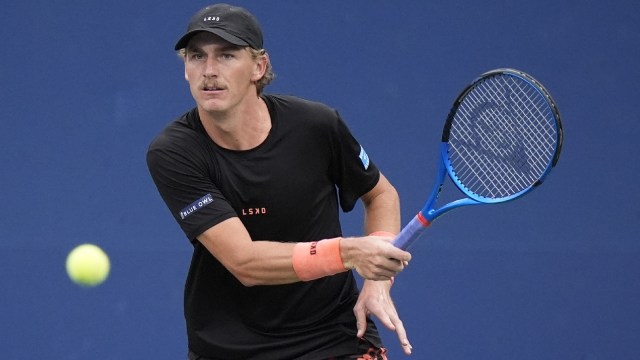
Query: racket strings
[(502, 138)]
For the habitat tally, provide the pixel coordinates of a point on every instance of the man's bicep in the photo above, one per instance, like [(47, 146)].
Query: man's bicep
[(383, 188), (382, 208)]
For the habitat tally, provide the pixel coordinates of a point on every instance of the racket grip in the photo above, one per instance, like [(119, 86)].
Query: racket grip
[(411, 232)]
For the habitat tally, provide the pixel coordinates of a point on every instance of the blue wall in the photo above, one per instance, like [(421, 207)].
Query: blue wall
[(85, 85)]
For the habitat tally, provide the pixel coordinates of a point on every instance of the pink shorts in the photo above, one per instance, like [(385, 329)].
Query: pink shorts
[(371, 354)]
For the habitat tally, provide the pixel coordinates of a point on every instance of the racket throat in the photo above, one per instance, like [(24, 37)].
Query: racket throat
[(423, 220)]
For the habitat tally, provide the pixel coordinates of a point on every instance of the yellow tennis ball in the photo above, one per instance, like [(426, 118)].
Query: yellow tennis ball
[(88, 265)]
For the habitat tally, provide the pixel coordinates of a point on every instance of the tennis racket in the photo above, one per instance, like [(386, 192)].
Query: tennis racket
[(501, 139)]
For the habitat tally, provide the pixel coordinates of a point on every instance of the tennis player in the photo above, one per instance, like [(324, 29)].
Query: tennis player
[(255, 181)]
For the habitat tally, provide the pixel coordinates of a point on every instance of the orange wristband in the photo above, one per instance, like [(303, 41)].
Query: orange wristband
[(313, 260)]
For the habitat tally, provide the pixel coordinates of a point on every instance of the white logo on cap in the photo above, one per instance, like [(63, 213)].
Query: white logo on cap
[(212, 18)]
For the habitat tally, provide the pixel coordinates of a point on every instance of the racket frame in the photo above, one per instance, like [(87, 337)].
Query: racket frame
[(414, 229)]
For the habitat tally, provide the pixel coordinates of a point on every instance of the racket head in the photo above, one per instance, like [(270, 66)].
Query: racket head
[(502, 137)]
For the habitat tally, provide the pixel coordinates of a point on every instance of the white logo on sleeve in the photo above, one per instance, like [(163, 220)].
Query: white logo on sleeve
[(196, 205), (364, 158)]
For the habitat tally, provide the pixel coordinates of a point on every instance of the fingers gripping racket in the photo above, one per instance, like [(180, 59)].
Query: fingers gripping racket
[(501, 139)]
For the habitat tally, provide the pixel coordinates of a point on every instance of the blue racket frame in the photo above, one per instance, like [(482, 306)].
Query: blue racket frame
[(414, 229)]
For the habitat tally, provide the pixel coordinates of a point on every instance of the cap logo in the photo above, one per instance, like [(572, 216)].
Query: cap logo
[(231, 23)]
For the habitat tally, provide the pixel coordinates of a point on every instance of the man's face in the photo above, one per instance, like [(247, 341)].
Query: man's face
[(220, 75)]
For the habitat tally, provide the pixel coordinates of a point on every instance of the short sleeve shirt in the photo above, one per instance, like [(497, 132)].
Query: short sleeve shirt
[(288, 189)]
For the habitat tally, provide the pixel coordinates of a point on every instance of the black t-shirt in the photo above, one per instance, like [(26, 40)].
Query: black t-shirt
[(286, 189)]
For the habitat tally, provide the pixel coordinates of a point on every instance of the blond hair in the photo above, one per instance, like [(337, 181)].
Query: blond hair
[(269, 75)]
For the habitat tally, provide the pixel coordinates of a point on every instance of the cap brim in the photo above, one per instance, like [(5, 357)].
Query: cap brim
[(184, 40)]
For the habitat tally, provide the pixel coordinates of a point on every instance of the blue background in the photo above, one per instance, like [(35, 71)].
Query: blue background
[(85, 85)]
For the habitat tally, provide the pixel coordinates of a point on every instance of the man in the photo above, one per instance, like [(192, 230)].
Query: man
[(255, 182)]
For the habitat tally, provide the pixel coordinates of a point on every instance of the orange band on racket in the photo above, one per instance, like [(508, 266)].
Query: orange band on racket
[(423, 219), (313, 260)]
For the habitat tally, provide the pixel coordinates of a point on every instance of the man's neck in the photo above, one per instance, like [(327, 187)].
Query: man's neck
[(242, 128)]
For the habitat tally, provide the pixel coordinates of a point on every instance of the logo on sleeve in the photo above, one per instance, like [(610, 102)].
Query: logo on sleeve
[(364, 158), (196, 205)]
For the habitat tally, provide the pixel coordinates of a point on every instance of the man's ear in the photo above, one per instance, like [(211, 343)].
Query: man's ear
[(183, 56), (260, 67)]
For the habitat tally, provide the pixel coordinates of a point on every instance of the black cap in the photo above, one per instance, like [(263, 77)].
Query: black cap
[(234, 24)]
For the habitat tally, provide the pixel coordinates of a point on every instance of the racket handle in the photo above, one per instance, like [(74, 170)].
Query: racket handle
[(411, 232)]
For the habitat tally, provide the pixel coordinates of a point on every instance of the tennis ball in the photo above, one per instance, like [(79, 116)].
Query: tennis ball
[(88, 265)]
